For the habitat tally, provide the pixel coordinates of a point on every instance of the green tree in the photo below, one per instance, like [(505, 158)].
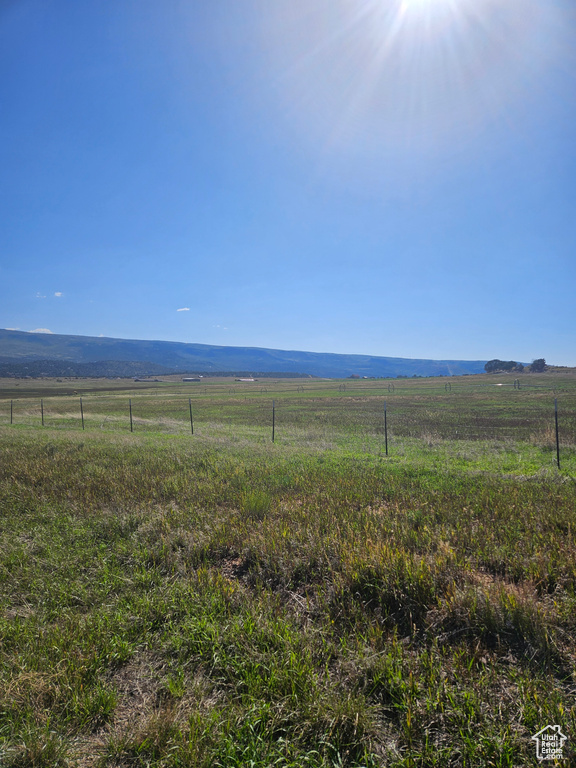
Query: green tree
[(538, 366), (500, 365)]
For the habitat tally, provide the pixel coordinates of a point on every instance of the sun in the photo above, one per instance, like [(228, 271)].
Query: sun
[(430, 9), (425, 5), (418, 19)]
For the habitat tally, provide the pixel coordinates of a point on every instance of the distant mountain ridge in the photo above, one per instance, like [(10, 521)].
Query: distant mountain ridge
[(20, 347)]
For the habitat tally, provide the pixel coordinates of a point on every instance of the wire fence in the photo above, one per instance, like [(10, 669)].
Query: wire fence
[(427, 418)]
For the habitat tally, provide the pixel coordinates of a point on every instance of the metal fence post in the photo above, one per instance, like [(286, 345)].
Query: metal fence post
[(273, 418), (42, 410), (557, 439), (191, 421), (131, 424), (82, 413), (385, 429)]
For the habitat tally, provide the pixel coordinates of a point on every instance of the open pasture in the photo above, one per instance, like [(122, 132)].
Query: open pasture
[(486, 417), (172, 600)]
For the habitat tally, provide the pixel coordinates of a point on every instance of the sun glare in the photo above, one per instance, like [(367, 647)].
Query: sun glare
[(431, 12), (406, 76), (407, 5)]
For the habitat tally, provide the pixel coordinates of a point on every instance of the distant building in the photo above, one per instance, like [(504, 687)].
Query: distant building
[(188, 378)]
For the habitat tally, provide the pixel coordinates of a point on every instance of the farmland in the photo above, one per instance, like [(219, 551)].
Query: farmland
[(359, 592)]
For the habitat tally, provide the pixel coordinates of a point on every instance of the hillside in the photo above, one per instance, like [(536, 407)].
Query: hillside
[(19, 347)]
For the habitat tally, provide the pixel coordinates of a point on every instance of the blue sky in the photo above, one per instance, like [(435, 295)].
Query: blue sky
[(387, 177)]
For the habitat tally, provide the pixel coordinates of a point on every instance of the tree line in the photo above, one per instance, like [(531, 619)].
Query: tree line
[(495, 366)]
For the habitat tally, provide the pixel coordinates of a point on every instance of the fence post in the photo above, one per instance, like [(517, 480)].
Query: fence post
[(385, 429), (11, 411), (557, 440), (131, 424), (191, 422), (82, 413), (273, 418), (42, 410)]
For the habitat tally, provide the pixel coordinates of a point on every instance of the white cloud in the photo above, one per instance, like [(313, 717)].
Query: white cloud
[(12, 329), (58, 293), (183, 309), (41, 330), (40, 295)]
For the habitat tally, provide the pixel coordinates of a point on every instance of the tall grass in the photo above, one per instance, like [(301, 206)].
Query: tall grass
[(224, 601)]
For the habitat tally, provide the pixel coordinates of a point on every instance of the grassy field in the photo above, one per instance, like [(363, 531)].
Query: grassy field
[(169, 599), (346, 413)]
